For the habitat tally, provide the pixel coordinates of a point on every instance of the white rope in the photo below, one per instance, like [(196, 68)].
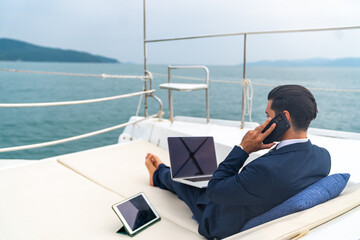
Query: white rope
[(258, 83), (248, 93), (77, 74), (139, 105), (45, 144), (6, 105)]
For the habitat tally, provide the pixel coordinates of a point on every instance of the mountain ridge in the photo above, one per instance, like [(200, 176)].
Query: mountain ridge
[(16, 50)]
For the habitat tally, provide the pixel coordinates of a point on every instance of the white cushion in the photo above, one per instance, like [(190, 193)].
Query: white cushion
[(121, 168), (46, 200)]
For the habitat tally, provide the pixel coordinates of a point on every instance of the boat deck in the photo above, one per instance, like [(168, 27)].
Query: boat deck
[(70, 196)]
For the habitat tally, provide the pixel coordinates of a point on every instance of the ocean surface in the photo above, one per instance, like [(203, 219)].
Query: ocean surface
[(23, 126)]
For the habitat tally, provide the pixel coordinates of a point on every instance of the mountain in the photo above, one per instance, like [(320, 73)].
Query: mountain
[(14, 50), (312, 62)]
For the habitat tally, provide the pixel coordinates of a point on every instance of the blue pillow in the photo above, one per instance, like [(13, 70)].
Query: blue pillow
[(319, 192)]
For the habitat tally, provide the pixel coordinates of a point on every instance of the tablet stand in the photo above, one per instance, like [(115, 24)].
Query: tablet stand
[(122, 231)]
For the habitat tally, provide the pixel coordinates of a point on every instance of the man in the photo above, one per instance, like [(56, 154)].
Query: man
[(233, 198)]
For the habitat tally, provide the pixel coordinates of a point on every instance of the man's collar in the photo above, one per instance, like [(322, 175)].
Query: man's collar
[(299, 146), (284, 143)]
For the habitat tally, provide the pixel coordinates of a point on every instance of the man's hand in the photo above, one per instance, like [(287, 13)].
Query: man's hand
[(252, 141)]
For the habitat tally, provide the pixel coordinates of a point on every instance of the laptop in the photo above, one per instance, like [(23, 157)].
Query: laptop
[(192, 160)]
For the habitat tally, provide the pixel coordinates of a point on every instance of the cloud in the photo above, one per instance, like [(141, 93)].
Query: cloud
[(114, 27)]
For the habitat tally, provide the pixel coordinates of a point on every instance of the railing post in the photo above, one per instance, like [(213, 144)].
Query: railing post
[(243, 89), (171, 113), (145, 63), (207, 95)]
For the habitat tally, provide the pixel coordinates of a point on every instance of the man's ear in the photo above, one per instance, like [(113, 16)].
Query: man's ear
[(287, 115)]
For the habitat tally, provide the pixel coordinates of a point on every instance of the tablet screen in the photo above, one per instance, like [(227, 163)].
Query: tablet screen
[(136, 212)]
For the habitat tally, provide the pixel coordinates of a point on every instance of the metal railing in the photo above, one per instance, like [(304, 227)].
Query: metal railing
[(45, 144), (252, 33), (146, 93), (244, 35), (104, 75), (51, 104)]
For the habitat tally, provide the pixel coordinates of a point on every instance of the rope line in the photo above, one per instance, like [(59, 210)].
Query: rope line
[(45, 144), (77, 74), (139, 104), (248, 93), (173, 76), (258, 83), (47, 104)]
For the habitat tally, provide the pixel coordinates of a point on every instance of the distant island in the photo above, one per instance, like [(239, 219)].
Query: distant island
[(312, 62), (15, 50)]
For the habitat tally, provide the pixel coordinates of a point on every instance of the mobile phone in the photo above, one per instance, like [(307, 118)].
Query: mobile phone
[(282, 124)]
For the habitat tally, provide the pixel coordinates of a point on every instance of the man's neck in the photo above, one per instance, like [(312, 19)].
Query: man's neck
[(291, 134)]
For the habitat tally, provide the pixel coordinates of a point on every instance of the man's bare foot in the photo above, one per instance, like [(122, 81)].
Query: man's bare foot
[(154, 159), (151, 168), (152, 163)]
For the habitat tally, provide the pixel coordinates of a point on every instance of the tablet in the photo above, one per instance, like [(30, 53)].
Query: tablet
[(136, 213)]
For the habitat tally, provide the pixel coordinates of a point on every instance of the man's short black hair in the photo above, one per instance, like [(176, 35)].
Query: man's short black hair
[(298, 101)]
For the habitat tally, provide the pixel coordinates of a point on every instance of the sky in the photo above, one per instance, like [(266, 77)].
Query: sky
[(114, 28)]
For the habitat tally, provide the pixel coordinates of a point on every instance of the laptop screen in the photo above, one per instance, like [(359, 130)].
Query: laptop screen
[(192, 156)]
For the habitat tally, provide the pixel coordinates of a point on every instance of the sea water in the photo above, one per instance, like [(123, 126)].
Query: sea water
[(338, 110)]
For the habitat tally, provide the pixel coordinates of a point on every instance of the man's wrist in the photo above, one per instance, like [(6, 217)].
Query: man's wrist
[(243, 149)]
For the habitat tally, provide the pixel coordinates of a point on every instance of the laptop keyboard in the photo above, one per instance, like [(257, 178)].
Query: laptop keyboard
[(198, 179)]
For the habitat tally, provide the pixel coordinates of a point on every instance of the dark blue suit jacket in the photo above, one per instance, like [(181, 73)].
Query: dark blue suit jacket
[(232, 198)]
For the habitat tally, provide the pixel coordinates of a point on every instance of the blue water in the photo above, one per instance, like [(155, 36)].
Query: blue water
[(22, 126)]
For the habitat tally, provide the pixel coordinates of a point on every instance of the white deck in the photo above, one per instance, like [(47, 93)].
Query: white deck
[(70, 196)]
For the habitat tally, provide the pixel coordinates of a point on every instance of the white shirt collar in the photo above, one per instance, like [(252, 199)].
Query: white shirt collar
[(284, 143)]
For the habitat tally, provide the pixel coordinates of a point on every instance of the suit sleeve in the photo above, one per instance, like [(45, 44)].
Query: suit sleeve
[(253, 185)]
